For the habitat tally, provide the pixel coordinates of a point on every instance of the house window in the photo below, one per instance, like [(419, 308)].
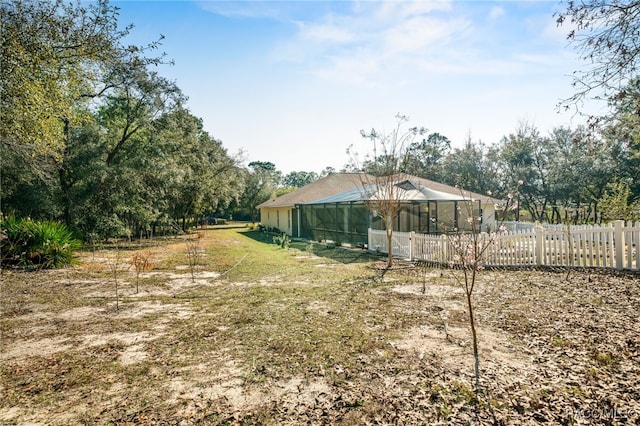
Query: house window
[(288, 219), (278, 218)]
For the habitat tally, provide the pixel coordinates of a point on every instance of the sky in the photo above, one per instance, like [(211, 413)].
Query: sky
[(294, 82)]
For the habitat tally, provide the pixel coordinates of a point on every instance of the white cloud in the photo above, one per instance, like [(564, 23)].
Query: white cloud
[(366, 43), (325, 33), (496, 12), (242, 9), (398, 10), (417, 33), (352, 70), (537, 59)]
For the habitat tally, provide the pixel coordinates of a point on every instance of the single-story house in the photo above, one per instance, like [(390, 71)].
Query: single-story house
[(341, 207)]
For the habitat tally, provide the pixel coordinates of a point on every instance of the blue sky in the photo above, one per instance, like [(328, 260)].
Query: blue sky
[(293, 82)]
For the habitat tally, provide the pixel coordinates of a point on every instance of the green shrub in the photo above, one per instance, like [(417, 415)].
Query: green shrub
[(282, 240), (36, 244)]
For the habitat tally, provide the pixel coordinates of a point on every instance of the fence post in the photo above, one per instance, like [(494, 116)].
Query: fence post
[(540, 243), (444, 243), (412, 237), (484, 247), (618, 238)]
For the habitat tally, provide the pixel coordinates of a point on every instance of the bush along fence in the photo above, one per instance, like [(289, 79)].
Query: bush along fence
[(613, 246)]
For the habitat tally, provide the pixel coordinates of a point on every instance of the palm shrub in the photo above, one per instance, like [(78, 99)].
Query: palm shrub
[(13, 241), (26, 243)]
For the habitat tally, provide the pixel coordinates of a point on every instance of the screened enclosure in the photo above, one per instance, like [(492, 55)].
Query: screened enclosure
[(347, 222), (342, 207), (338, 222)]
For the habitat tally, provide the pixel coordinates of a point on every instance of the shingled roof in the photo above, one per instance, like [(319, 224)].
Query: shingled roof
[(331, 184), (338, 187), (441, 187)]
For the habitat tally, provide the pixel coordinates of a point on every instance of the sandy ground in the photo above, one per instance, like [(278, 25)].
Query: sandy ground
[(551, 352)]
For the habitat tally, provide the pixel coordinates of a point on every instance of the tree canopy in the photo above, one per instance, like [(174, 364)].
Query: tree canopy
[(92, 134), (605, 34)]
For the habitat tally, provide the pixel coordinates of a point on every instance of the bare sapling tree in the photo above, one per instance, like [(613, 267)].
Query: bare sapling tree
[(468, 250), (114, 263), (469, 246), (384, 173), (142, 261), (193, 253)]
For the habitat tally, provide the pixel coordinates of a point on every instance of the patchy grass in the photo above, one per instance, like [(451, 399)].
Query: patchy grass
[(310, 335)]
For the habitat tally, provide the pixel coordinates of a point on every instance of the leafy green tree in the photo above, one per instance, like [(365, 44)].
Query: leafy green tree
[(470, 168), (580, 166), (51, 61), (605, 35), (617, 202), (298, 179), (425, 157), (26, 191), (57, 57), (261, 179), (563, 174), (327, 171), (99, 138), (524, 159), (623, 134), (57, 61), (125, 119), (51, 55), (140, 97), (207, 179), (171, 170)]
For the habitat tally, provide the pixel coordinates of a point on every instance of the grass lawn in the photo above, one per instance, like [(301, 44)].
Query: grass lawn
[(226, 327)]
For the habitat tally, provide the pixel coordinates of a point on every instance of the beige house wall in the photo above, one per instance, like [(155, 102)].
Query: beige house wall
[(489, 217), (277, 217)]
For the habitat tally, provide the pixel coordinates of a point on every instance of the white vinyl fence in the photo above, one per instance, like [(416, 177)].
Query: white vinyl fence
[(593, 246)]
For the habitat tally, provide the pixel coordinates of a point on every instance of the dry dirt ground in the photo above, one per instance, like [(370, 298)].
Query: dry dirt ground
[(209, 349)]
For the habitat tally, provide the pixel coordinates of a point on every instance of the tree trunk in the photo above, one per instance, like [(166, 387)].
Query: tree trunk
[(472, 323), (64, 196), (65, 187), (389, 248)]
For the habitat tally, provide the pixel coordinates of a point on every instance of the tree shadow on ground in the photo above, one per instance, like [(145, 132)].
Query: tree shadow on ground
[(338, 254)]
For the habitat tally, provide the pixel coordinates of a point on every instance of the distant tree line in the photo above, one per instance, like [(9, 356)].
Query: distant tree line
[(566, 176)]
